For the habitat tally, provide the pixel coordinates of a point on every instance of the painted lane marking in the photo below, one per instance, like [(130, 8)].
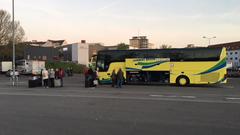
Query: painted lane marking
[(233, 98), (156, 95), (122, 98), (174, 96), (191, 97), (163, 96)]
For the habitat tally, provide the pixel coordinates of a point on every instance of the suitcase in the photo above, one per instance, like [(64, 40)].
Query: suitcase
[(57, 83), (95, 82), (34, 83)]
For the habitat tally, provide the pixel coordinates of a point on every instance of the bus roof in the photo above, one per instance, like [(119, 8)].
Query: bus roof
[(172, 49), (177, 54)]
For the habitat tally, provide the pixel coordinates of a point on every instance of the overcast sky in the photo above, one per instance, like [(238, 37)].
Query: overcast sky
[(173, 22)]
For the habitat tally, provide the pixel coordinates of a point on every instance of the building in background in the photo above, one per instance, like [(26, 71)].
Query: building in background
[(55, 43), (114, 47), (94, 48), (139, 42), (151, 46), (75, 52), (51, 50), (40, 53), (233, 52), (80, 53), (48, 43), (35, 43)]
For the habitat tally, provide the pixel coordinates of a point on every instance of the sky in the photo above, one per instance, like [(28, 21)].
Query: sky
[(172, 22)]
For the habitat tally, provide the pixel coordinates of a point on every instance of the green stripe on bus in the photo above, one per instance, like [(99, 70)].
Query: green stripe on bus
[(218, 66)]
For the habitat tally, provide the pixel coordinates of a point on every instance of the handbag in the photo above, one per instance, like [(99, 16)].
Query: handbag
[(95, 82)]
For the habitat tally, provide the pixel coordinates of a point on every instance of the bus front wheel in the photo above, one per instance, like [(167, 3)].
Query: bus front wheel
[(182, 80)]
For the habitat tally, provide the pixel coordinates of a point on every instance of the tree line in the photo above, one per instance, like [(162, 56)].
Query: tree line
[(6, 36)]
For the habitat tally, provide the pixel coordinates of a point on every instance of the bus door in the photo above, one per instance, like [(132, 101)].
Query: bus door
[(148, 71)]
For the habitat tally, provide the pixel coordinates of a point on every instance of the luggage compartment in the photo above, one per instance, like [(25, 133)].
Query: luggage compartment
[(148, 77)]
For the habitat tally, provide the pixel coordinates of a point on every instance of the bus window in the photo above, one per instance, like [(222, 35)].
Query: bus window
[(100, 65), (93, 61)]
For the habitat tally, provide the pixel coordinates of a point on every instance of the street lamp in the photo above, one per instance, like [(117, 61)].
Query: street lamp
[(13, 44), (209, 39)]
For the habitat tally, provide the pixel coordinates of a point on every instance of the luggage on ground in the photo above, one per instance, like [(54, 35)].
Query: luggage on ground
[(57, 83), (95, 82), (34, 83)]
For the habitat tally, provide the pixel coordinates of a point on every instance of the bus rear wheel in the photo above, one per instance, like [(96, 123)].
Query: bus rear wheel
[(182, 81)]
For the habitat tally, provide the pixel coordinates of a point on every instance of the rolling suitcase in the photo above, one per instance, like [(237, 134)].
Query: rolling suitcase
[(57, 83)]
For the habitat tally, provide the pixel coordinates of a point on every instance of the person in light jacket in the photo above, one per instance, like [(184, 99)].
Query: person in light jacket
[(45, 78), (52, 77)]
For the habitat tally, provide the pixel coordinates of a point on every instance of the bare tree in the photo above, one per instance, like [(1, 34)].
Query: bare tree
[(164, 46), (6, 29)]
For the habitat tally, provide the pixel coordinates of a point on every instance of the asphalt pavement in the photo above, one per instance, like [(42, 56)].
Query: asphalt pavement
[(132, 110)]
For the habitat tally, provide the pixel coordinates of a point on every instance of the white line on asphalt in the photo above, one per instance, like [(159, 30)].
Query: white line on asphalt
[(174, 96), (122, 98), (191, 97), (156, 95), (163, 96), (233, 98)]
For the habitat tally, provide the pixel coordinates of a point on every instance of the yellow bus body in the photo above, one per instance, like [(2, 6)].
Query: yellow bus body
[(200, 72)]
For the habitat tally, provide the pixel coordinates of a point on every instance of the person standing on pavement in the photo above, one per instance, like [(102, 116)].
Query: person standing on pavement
[(90, 77), (71, 71), (45, 78), (61, 75), (56, 73), (95, 78), (86, 77), (41, 74), (114, 78), (52, 77), (68, 72), (120, 78)]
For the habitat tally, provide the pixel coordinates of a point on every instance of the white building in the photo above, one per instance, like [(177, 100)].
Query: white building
[(233, 53), (233, 56), (76, 52), (80, 53)]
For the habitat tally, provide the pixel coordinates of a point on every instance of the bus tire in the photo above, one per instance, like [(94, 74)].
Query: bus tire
[(183, 80)]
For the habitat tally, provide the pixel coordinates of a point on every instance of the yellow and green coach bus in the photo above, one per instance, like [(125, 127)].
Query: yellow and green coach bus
[(164, 66)]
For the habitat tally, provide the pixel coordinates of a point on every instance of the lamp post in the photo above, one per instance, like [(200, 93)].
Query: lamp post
[(13, 44), (209, 39)]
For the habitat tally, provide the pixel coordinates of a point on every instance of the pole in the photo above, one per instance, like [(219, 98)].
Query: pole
[(13, 43), (209, 39)]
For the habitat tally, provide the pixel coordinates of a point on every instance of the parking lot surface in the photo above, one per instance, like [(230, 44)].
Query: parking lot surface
[(134, 109)]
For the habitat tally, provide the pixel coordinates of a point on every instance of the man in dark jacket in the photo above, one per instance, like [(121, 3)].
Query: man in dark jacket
[(86, 77), (114, 78), (120, 78), (90, 77), (60, 75)]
